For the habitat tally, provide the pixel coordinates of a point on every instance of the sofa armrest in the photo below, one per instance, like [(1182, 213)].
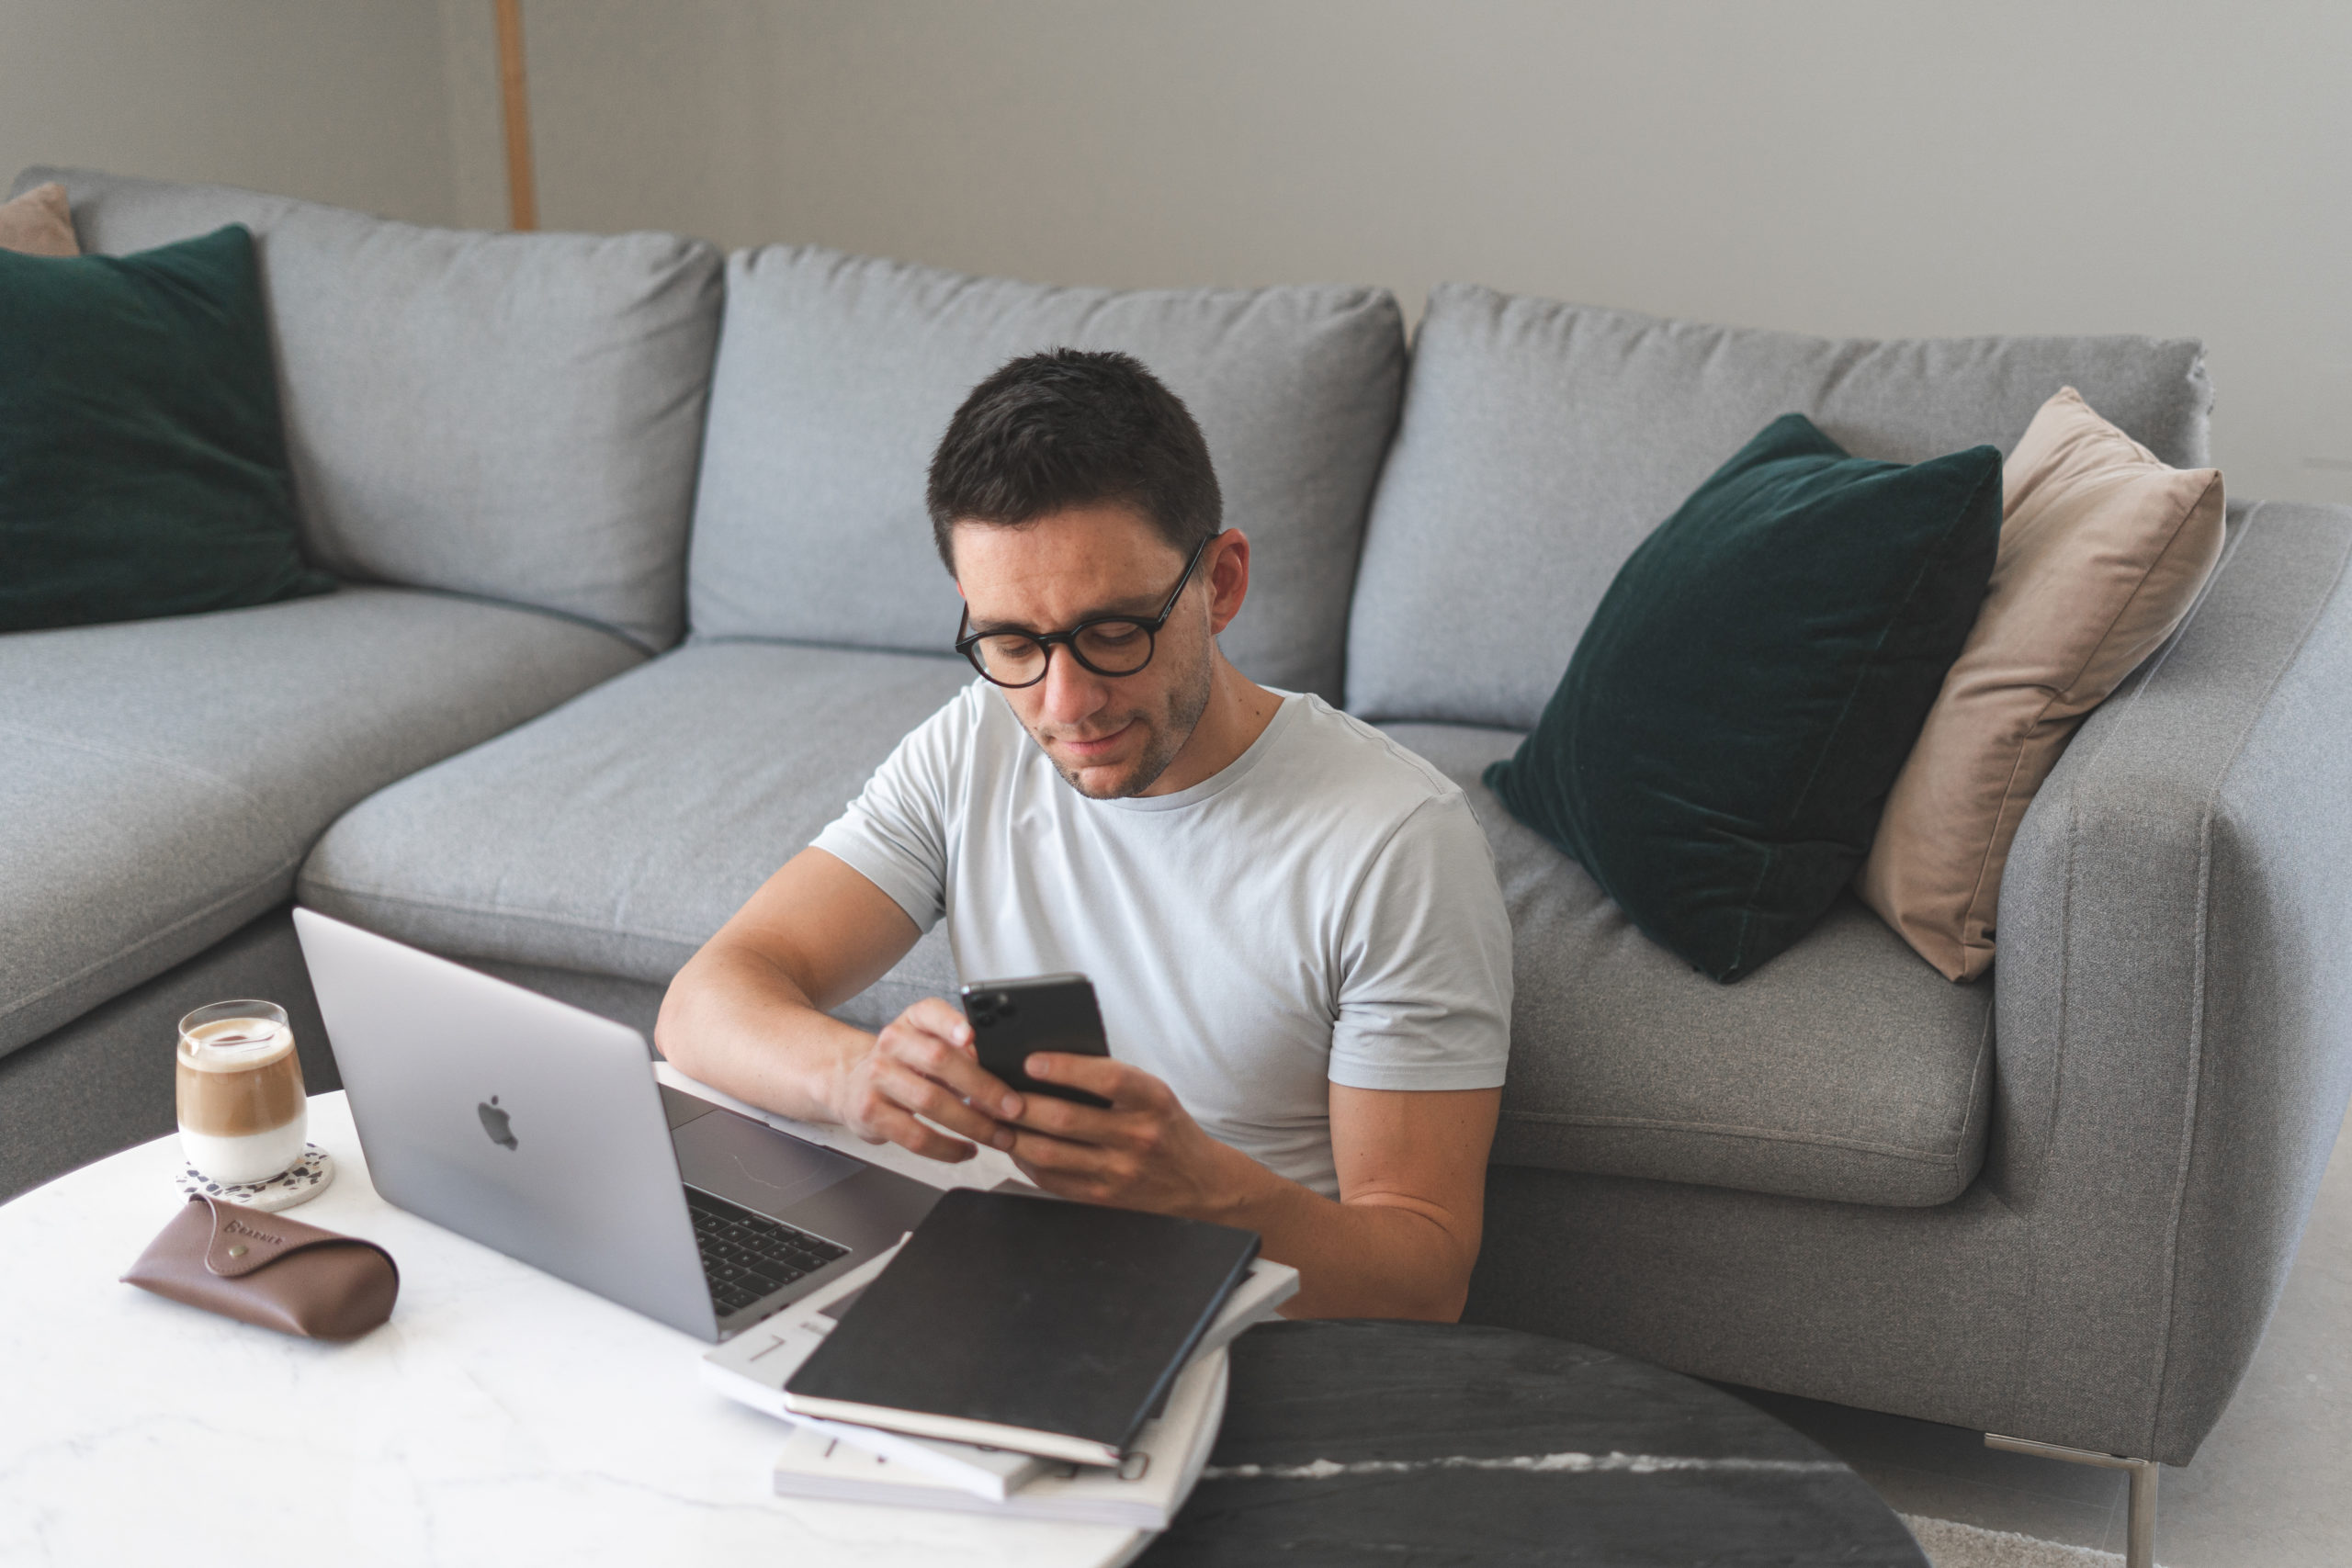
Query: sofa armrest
[(2174, 995)]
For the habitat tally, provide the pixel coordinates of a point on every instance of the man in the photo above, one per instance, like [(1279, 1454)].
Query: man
[(1292, 923)]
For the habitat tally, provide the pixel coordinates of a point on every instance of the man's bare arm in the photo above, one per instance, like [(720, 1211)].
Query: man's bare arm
[(1401, 1239), (1412, 1205), (746, 1016)]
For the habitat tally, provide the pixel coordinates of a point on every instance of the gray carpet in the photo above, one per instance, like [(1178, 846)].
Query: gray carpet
[(1949, 1545)]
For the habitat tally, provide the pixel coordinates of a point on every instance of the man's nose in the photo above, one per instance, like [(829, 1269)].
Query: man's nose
[(1072, 694)]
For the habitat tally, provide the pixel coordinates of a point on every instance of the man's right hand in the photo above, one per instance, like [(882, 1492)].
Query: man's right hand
[(923, 1067)]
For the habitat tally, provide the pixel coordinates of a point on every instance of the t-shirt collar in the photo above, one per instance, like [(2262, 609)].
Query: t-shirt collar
[(1225, 778)]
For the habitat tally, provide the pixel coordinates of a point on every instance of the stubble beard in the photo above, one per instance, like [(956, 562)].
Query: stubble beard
[(1169, 729)]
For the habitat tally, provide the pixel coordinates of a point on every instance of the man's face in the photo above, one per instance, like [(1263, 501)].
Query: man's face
[(1109, 736)]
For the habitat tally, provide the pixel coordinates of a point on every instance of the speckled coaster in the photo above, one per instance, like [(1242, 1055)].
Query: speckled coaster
[(298, 1183)]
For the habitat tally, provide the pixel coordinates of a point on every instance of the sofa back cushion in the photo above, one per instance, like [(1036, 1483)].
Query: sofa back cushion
[(837, 374), (2104, 551), (1717, 753), (516, 416), (1542, 442), (143, 462)]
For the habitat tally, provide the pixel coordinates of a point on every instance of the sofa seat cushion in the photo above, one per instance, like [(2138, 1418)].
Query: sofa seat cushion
[(614, 835), (165, 777), (1848, 1068), (1542, 442)]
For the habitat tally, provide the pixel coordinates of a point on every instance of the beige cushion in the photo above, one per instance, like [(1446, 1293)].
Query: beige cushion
[(39, 223), (2103, 549)]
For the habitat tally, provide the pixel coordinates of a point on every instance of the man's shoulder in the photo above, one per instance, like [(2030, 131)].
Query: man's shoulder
[(966, 736), (1350, 761), (961, 723)]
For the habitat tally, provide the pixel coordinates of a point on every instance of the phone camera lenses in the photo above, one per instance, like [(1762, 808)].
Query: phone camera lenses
[(983, 1017)]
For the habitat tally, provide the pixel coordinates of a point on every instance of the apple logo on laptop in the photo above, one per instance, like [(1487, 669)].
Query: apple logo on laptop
[(495, 1123)]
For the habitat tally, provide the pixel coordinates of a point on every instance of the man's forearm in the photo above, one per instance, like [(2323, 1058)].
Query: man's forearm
[(736, 1022), (1399, 1246), (1367, 1257)]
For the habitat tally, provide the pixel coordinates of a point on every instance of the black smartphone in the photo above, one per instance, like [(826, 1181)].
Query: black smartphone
[(1010, 1019)]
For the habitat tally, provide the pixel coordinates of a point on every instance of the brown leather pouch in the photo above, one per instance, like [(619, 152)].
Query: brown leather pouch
[(269, 1270)]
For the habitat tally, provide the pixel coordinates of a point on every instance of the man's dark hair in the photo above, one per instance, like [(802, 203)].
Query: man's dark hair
[(1067, 428)]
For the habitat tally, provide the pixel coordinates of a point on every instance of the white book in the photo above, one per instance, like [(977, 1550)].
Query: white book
[(755, 1366), (1143, 1491)]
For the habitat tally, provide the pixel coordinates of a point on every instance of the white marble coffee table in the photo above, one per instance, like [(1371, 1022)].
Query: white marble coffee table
[(502, 1416)]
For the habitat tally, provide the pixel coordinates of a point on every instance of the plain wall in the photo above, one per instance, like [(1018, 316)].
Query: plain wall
[(1867, 167), (336, 100), (1836, 167)]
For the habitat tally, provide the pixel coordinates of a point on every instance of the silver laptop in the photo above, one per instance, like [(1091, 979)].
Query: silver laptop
[(540, 1130)]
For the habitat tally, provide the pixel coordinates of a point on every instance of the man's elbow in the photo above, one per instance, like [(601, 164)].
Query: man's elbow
[(674, 1035), (1406, 1299), (1435, 1287), (1437, 1299), (1425, 1279), (704, 996)]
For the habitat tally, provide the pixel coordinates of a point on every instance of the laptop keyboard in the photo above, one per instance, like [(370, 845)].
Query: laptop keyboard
[(745, 1256)]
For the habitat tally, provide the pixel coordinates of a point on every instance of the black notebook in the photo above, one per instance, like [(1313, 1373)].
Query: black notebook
[(1023, 1322)]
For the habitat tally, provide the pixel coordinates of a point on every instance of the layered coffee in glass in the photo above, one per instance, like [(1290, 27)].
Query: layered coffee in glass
[(243, 1117)]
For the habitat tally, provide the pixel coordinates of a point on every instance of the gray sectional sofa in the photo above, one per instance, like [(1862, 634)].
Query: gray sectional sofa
[(640, 589)]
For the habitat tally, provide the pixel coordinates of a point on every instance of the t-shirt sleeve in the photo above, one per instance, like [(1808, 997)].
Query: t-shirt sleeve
[(895, 833), (1425, 996)]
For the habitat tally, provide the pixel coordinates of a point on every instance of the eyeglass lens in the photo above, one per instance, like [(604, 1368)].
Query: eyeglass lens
[(1107, 647)]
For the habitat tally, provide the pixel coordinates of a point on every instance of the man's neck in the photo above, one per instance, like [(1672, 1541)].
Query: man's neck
[(1238, 712)]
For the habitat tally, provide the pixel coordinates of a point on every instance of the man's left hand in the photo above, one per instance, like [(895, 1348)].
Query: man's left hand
[(1145, 1151)]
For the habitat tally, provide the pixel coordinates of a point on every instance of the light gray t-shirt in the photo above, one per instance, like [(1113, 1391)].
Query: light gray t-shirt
[(1324, 910)]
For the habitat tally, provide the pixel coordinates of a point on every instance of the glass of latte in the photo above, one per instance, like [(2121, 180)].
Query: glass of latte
[(242, 1114)]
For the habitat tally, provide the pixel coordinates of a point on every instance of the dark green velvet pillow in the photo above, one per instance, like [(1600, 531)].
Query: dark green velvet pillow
[(142, 466), (1718, 752)]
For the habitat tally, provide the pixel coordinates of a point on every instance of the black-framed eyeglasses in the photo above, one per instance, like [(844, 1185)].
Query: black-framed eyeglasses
[(1108, 645)]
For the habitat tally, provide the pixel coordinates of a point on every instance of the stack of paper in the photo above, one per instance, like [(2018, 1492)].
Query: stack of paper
[(845, 1461), (1142, 1491)]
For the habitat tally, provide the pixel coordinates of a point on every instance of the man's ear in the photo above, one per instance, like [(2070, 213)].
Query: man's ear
[(1227, 569)]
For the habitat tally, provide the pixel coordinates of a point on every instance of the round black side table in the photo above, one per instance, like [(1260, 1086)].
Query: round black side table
[(1415, 1445)]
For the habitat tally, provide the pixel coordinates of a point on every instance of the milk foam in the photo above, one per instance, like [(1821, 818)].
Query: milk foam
[(235, 1044)]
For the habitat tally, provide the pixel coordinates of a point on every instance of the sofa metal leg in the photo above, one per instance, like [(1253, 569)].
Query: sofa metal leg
[(2140, 1549)]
